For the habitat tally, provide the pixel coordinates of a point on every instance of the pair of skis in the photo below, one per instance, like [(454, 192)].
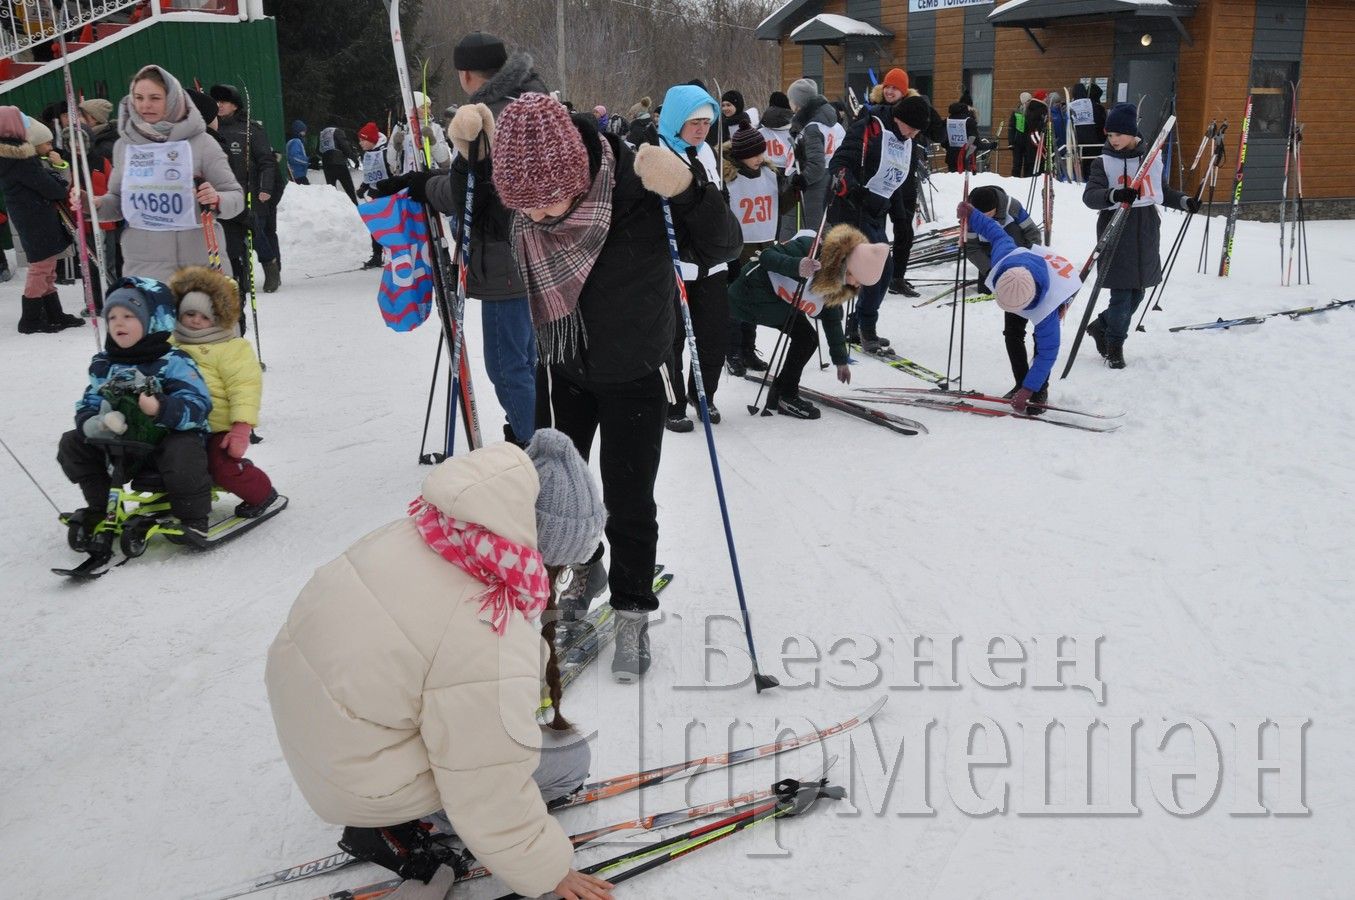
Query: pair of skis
[(1299, 313), (896, 424), (992, 406), (589, 793), (902, 364)]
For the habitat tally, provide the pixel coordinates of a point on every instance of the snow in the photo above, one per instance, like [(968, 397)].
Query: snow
[(841, 24), (1206, 540)]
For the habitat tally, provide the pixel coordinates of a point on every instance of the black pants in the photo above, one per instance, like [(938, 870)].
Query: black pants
[(742, 339), (1019, 157), (708, 301), (1014, 332), (181, 460), (629, 415), (901, 215), (804, 343), (242, 264), (343, 178)]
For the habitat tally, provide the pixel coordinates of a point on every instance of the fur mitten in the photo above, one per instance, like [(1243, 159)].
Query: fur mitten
[(662, 171)]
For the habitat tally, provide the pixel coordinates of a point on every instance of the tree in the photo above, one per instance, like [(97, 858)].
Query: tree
[(336, 62)]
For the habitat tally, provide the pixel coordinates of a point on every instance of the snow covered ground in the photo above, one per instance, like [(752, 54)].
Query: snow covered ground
[(1206, 541)]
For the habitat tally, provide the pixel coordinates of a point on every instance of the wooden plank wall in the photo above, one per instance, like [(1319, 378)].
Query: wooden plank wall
[(834, 80), (894, 17), (1324, 99), (792, 62), (949, 69)]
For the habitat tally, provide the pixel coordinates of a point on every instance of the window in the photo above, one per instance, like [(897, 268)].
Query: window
[(979, 83), (922, 83), (1272, 97)]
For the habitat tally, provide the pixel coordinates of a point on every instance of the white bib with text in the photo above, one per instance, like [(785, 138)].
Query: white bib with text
[(157, 187)]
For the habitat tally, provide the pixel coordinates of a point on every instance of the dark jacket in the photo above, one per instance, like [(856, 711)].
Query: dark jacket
[(709, 233), (1136, 261), (642, 131), (810, 158), (101, 147), (775, 117), (342, 154), (493, 273), (753, 299), (31, 193), (250, 153), (1095, 133), (1015, 221), (854, 165)]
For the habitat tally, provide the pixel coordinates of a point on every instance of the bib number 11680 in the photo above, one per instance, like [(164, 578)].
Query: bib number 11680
[(162, 202)]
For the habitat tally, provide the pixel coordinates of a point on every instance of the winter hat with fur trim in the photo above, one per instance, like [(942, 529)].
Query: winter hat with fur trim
[(539, 157), (1015, 289), (801, 92), (897, 79), (569, 511), (747, 143), (867, 263)]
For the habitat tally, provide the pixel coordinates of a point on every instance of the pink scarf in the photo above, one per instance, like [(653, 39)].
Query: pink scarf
[(515, 575)]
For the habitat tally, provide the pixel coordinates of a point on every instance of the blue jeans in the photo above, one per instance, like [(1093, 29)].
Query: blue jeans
[(510, 360), (1123, 302), (871, 296)]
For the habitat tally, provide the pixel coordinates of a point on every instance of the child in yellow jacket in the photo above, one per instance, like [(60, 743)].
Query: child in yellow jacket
[(208, 315)]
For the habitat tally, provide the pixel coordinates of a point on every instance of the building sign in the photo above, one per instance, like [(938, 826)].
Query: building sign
[(937, 5)]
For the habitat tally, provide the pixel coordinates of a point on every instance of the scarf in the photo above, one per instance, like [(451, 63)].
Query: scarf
[(148, 349), (556, 258), (514, 573), (214, 334)]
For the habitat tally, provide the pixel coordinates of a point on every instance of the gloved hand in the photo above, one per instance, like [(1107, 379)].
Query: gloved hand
[(236, 441), (662, 171), (468, 123), (1021, 399), (1124, 195), (414, 182), (797, 182), (437, 889), (1190, 204), (808, 266), (963, 210), (107, 422)]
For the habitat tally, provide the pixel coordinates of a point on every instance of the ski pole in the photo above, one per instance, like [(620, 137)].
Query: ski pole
[(760, 681), (818, 345), (954, 310), (427, 458)]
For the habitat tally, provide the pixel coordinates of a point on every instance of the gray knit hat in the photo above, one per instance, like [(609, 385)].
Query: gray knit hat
[(569, 511), (802, 91)]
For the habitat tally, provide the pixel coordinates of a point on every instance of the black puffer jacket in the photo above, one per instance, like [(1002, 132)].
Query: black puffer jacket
[(249, 152), (493, 272), (775, 117), (31, 193), (1137, 260)]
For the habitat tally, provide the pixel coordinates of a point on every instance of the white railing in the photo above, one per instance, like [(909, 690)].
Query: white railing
[(25, 24)]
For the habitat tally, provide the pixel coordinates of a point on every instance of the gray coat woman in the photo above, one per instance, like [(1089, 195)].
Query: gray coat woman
[(157, 110), (814, 121)]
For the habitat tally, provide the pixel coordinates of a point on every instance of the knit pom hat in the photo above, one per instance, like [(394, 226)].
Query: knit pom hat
[(913, 112), (897, 79), (539, 157), (1041, 95), (369, 133), (640, 109), (569, 511), (1015, 289), (747, 143), (801, 92), (1123, 118), (867, 263), (98, 109), (479, 51)]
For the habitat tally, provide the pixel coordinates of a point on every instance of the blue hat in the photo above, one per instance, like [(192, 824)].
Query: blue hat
[(1123, 118), (298, 128), (147, 299)]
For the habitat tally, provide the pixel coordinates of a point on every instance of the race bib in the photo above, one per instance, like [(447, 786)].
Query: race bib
[(753, 200), (810, 303), (1080, 112), (1063, 283), (1120, 173), (832, 138), (957, 132), (780, 153), (374, 165), (896, 160), (157, 187), (327, 143)]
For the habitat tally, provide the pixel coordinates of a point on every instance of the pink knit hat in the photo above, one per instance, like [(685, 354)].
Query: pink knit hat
[(539, 157), (1015, 289), (867, 263)]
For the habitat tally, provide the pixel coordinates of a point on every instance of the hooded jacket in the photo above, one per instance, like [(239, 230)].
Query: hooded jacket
[(393, 697), (1137, 260), (229, 368), (810, 157), (298, 160), (32, 192), (493, 273), (159, 254)]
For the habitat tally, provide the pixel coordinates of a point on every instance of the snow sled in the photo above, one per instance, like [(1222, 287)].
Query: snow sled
[(138, 510)]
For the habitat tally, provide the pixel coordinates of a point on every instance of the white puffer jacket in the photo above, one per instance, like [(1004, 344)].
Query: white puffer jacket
[(393, 697)]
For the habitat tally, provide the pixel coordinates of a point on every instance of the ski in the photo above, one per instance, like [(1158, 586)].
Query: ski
[(987, 398), (896, 424), (903, 364), (1110, 238), (961, 403), (1226, 263), (1300, 312), (96, 566), (948, 292)]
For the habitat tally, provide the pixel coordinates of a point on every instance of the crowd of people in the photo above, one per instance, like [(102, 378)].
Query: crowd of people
[(798, 217)]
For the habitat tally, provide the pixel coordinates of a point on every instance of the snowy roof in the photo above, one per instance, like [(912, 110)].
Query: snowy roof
[(771, 28), (1037, 12), (830, 28)]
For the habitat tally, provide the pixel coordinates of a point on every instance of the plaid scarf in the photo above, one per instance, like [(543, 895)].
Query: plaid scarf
[(556, 257), (515, 575)]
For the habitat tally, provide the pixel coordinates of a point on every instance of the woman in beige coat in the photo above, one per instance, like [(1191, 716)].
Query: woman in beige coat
[(157, 111), (400, 686)]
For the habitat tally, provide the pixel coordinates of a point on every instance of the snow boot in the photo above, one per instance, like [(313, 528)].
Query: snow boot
[(714, 413), (752, 362), (904, 287), (33, 319), (872, 342), (194, 532), (254, 510), (678, 423), (51, 305), (736, 366), (631, 660), (796, 407), (272, 276), (1115, 354), (1097, 330), (1037, 402), (375, 262), (586, 581)]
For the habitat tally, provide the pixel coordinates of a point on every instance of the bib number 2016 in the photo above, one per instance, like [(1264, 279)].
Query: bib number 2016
[(162, 202), (756, 209)]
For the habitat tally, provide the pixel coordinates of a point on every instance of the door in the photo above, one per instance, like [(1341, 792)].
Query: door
[(1152, 83)]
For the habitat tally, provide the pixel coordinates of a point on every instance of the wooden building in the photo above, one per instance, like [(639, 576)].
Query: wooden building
[(1196, 57)]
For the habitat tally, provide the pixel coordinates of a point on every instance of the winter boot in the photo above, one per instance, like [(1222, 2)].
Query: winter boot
[(872, 342), (1037, 402), (904, 287), (796, 407), (1097, 330), (51, 305), (631, 660), (1115, 354), (254, 510), (33, 319), (272, 276), (736, 366), (375, 262), (752, 362), (678, 423), (194, 532), (714, 413), (586, 581), (853, 330)]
